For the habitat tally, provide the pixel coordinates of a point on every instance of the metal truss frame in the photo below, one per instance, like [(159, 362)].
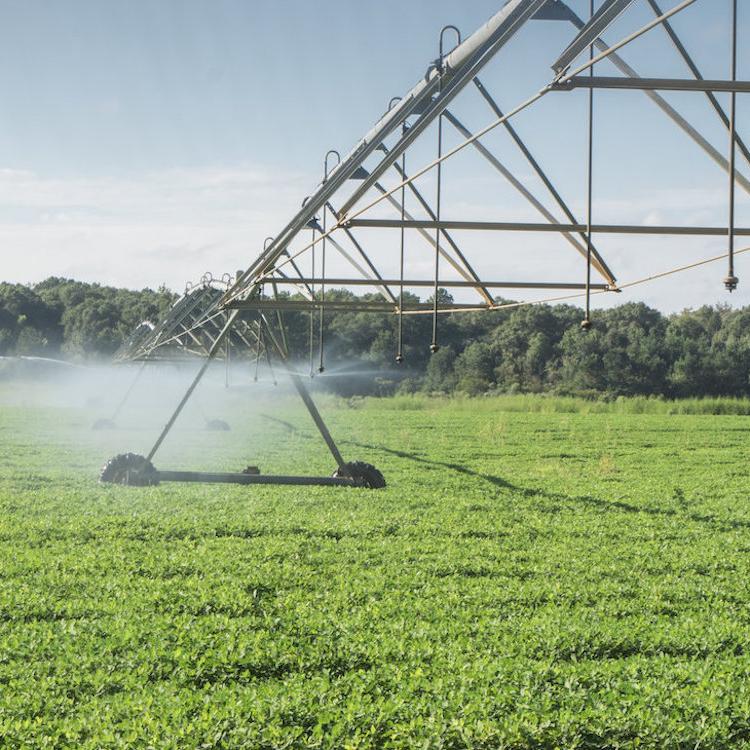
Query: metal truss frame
[(191, 327), (355, 184)]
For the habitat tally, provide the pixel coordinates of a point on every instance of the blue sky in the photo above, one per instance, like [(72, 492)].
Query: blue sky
[(146, 142)]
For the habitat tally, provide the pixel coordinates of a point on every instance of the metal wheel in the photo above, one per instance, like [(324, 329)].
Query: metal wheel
[(130, 469), (364, 474)]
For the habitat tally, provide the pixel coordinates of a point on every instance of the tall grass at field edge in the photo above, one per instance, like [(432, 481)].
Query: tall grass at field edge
[(549, 404)]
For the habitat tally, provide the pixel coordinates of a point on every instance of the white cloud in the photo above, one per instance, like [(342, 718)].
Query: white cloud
[(170, 227), (165, 227)]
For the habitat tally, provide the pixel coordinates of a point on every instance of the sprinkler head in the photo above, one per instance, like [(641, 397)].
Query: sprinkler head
[(434, 348), (730, 283), (586, 324), (399, 359)]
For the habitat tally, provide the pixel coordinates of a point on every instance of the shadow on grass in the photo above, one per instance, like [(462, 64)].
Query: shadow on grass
[(282, 423), (459, 468), (587, 500), (726, 524)]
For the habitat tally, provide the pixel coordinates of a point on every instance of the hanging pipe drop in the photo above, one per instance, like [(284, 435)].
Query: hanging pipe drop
[(434, 346), (259, 334), (731, 281), (400, 323), (321, 324), (586, 322), (400, 352), (258, 339), (313, 224), (258, 344), (227, 354)]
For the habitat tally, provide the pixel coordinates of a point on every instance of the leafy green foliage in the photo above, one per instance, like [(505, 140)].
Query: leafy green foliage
[(539, 573), (64, 317)]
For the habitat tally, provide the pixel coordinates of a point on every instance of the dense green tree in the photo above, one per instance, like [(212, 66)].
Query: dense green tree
[(733, 342), (474, 368), (441, 375), (61, 316), (689, 345), (528, 346), (622, 354), (30, 326)]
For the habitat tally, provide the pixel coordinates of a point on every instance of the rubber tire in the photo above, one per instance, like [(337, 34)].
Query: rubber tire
[(364, 474), (130, 469)]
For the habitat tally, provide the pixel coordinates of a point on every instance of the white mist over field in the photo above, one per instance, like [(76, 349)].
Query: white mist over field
[(231, 420)]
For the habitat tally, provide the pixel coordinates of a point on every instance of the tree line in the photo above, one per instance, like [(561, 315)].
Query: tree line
[(631, 349), (72, 319)]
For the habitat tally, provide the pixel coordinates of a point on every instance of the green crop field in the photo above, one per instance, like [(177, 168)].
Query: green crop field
[(538, 574)]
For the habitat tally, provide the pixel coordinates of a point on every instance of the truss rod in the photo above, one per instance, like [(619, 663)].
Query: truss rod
[(519, 226), (627, 285), (524, 105), (177, 337), (199, 376), (307, 291), (627, 40), (685, 55), (447, 237), (521, 188), (466, 271), (423, 232), (531, 100), (365, 257), (599, 21), (342, 306), (447, 283), (196, 322), (651, 84), (540, 173), (307, 400), (388, 194), (297, 271), (178, 313), (665, 106), (383, 290)]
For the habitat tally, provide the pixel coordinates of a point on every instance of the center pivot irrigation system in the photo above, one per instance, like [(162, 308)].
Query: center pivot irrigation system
[(370, 191)]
